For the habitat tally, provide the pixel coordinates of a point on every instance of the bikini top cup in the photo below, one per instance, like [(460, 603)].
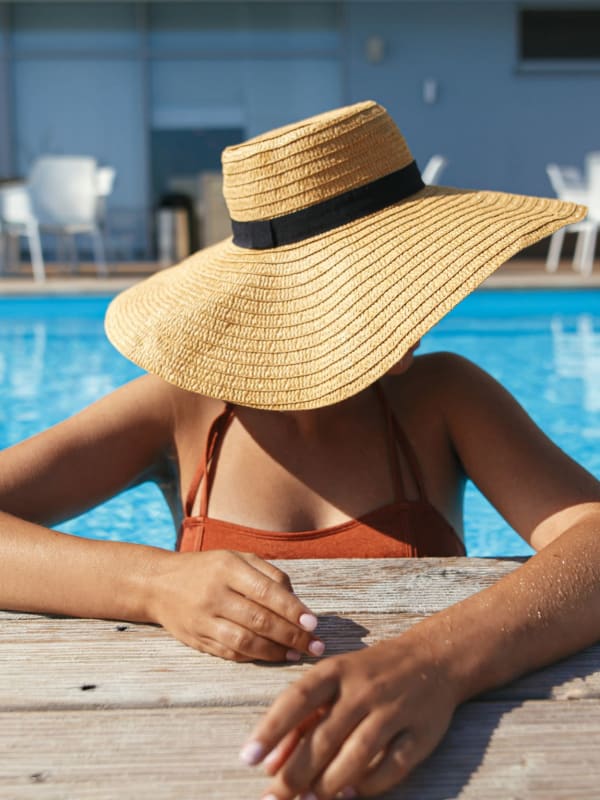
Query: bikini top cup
[(403, 528)]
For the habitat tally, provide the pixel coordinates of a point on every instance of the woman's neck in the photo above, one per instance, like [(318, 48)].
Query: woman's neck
[(309, 424)]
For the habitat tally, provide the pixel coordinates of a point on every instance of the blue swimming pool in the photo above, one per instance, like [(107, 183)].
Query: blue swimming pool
[(543, 345)]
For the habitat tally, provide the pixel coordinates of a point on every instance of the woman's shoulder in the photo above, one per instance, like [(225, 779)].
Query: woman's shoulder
[(444, 389), (163, 400), (435, 374)]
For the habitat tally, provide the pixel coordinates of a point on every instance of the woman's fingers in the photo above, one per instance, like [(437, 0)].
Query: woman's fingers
[(359, 749), (270, 570), (280, 754), (291, 708), (248, 643), (251, 582), (401, 756), (214, 648), (405, 751), (271, 627), (321, 747)]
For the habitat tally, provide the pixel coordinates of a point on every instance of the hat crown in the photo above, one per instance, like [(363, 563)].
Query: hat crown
[(305, 163)]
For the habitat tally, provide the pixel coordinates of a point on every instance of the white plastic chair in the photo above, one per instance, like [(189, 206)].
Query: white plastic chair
[(64, 198), (434, 168), (569, 184), (17, 219)]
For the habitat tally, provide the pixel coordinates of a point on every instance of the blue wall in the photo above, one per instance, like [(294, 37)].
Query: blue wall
[(498, 123), (96, 77)]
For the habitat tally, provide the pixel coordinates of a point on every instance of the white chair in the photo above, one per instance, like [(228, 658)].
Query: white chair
[(434, 168), (64, 198), (17, 219), (569, 184)]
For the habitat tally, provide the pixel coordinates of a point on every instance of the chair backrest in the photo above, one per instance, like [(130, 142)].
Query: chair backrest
[(15, 206), (434, 168), (568, 183), (63, 190), (105, 180)]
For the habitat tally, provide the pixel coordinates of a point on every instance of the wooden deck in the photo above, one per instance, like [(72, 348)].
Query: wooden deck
[(101, 709)]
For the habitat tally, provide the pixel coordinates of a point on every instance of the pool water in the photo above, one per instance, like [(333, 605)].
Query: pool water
[(544, 346)]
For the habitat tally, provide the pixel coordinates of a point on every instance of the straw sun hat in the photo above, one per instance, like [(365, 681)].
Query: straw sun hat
[(341, 259)]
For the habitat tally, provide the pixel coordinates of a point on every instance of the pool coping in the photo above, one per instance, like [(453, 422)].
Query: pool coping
[(90, 286)]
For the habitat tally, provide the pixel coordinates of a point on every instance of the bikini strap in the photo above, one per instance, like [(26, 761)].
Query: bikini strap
[(397, 436), (215, 434)]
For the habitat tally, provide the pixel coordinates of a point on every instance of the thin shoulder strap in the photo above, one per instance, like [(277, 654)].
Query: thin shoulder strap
[(397, 436), (215, 434)]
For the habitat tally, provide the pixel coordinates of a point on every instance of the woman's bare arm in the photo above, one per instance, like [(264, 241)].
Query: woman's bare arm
[(90, 457), (550, 606), (536, 487), (64, 471)]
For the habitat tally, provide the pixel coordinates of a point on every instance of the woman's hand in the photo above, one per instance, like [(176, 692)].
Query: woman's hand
[(233, 605), (356, 724)]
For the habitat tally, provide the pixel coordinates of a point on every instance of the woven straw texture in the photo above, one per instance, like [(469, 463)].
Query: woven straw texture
[(310, 324)]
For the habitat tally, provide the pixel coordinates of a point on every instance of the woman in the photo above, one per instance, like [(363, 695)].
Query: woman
[(284, 402)]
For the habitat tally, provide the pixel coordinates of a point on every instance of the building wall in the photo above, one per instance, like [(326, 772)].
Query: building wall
[(98, 77), (498, 122)]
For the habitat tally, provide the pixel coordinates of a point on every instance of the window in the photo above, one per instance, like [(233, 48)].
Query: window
[(559, 34)]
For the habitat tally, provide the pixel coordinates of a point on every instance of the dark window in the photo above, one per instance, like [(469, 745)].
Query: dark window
[(560, 34)]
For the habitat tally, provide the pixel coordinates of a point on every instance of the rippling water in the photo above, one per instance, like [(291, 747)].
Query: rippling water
[(544, 346)]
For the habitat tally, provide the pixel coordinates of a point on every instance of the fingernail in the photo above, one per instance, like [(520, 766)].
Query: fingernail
[(269, 797), (252, 753), (309, 796), (316, 648), (348, 793), (308, 621), (293, 655)]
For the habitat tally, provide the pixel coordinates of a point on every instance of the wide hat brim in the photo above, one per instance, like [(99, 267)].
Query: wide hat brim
[(313, 323)]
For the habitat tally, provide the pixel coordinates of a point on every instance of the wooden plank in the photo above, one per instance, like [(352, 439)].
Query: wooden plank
[(67, 663), (536, 750), (49, 662), (392, 585)]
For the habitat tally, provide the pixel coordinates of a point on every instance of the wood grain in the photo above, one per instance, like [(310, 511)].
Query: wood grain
[(60, 663), (537, 750), (104, 709)]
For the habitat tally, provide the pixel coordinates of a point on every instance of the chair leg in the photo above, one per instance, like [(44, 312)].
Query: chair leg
[(35, 251), (553, 257), (99, 254), (581, 246), (587, 260)]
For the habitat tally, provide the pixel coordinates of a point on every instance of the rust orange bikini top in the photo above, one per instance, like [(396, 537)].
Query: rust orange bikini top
[(403, 528)]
